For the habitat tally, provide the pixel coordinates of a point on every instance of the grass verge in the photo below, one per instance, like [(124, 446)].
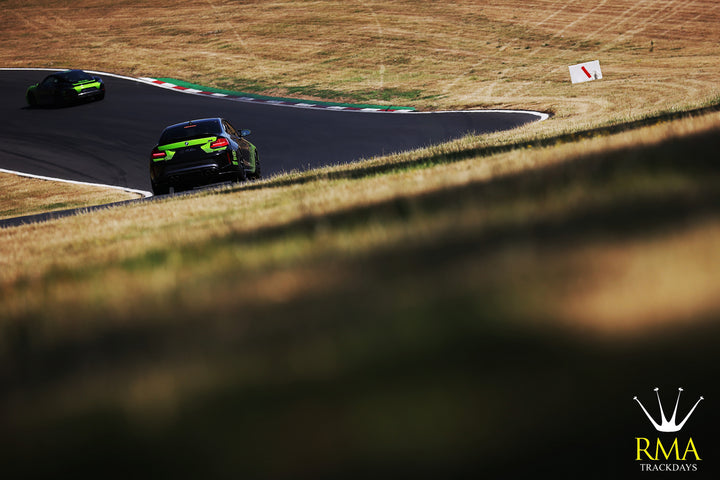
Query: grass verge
[(24, 196)]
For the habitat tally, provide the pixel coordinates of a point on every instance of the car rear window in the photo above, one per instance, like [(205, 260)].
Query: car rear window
[(74, 76), (186, 131)]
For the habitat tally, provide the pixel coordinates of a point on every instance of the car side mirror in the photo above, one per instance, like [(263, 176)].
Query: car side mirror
[(245, 132)]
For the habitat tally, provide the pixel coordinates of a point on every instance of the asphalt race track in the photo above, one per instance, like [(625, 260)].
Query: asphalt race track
[(109, 141)]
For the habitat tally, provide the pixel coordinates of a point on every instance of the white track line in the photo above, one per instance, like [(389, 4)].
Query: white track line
[(74, 182)]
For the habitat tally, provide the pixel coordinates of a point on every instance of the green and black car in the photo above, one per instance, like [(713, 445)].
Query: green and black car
[(201, 152), (64, 88)]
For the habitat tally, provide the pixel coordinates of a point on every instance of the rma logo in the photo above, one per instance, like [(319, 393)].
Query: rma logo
[(666, 425), (661, 454)]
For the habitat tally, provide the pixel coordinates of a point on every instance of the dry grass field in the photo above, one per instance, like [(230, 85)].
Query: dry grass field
[(485, 308), (655, 55), (23, 196)]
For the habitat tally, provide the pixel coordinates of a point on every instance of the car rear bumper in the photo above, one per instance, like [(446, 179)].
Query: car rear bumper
[(87, 94), (193, 175)]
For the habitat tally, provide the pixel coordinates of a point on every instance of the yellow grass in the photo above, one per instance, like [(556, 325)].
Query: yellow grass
[(466, 54), (640, 286), (24, 196)]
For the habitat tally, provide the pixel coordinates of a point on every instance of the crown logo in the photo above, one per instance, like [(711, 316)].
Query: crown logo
[(668, 425)]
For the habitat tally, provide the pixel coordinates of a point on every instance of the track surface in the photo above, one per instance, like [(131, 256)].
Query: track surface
[(109, 141)]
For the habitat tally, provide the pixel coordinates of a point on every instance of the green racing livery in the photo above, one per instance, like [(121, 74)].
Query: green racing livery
[(64, 88), (202, 152)]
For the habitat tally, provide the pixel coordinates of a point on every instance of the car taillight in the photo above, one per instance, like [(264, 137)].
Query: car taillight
[(219, 143), (157, 154)]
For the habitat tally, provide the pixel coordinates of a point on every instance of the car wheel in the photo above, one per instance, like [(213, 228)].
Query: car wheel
[(31, 100), (160, 189), (242, 175)]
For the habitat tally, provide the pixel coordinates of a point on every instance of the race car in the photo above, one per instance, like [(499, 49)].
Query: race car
[(64, 88), (201, 152)]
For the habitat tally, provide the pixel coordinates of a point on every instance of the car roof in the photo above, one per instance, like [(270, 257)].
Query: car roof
[(69, 73), (191, 128)]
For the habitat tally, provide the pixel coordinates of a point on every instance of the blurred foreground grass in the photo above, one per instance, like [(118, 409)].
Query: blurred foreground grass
[(499, 325)]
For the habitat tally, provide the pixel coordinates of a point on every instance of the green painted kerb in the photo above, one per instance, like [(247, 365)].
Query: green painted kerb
[(182, 83)]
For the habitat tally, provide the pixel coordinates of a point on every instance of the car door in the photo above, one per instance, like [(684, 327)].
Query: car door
[(47, 90), (243, 149)]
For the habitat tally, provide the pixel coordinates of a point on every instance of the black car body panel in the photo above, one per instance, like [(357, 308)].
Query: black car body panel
[(201, 152), (65, 88)]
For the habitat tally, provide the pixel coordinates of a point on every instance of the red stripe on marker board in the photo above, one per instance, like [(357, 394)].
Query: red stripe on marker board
[(586, 72)]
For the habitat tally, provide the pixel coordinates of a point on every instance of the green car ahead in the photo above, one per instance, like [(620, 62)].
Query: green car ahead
[(201, 152), (64, 88)]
